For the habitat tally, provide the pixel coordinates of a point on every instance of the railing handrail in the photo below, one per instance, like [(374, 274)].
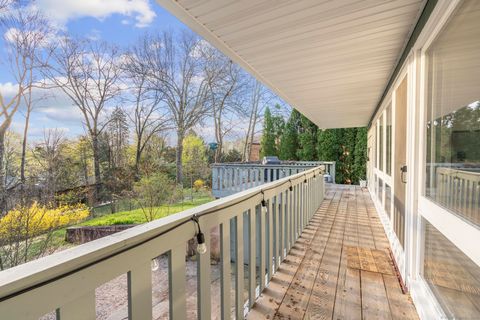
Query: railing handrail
[(453, 171), (300, 163), (36, 274)]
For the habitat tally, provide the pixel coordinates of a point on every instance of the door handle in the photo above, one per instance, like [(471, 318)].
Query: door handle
[(403, 170)]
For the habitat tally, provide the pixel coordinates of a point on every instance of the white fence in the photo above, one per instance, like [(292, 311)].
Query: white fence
[(66, 281), (230, 178), (459, 190)]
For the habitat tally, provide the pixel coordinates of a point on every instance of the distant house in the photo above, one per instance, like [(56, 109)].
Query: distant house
[(254, 151)]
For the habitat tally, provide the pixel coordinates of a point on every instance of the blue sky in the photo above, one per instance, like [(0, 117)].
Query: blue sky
[(120, 22), (117, 21)]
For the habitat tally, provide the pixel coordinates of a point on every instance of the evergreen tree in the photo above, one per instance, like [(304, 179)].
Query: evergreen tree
[(289, 138), (268, 143), (329, 148), (347, 157), (360, 155), (328, 145), (307, 140)]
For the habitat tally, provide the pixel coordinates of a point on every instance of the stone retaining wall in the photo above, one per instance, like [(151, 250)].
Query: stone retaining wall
[(83, 234)]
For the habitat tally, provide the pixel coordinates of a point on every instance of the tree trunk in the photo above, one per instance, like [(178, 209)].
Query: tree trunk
[(96, 165), (138, 154), (178, 157), (2, 173), (23, 158)]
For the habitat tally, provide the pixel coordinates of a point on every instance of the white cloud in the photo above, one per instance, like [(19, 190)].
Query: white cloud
[(8, 89), (63, 11)]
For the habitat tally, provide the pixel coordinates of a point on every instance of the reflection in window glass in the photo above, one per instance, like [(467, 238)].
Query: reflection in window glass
[(380, 144), (388, 200), (452, 276), (388, 137), (453, 125), (380, 189)]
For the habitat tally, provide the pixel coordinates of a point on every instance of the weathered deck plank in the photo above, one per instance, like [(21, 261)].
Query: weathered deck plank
[(338, 269)]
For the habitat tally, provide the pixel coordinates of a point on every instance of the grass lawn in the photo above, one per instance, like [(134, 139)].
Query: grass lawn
[(137, 216)]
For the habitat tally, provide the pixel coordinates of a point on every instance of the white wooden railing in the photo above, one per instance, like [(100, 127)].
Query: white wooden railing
[(230, 178), (66, 281), (459, 190)]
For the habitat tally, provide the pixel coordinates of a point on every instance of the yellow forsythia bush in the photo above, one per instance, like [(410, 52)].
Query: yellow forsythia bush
[(198, 184), (37, 219)]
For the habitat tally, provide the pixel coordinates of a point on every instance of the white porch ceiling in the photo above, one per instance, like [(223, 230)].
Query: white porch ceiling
[(330, 59)]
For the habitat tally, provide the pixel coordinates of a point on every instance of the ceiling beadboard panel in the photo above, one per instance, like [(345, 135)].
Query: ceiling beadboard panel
[(330, 59)]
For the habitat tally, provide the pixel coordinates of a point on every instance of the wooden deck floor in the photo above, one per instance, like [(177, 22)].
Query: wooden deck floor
[(339, 268)]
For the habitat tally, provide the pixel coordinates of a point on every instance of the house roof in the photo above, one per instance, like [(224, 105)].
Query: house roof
[(331, 60)]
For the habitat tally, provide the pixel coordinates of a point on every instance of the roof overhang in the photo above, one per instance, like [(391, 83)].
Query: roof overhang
[(332, 60)]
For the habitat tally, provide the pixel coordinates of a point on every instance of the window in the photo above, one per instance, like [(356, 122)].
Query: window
[(388, 137), (388, 200), (380, 144), (453, 115), (380, 190), (452, 276)]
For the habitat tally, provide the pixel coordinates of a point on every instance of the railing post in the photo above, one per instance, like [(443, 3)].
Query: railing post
[(239, 279), (204, 281), (220, 183), (270, 239), (262, 253), (334, 172), (225, 272), (177, 282), (281, 224), (277, 232), (140, 292), (252, 261)]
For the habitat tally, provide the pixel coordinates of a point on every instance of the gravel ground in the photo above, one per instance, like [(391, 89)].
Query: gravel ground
[(112, 300)]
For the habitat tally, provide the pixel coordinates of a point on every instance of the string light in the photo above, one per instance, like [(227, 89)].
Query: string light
[(201, 245), (264, 203)]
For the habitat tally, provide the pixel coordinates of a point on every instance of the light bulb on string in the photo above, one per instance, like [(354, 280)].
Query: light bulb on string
[(201, 245), (264, 206)]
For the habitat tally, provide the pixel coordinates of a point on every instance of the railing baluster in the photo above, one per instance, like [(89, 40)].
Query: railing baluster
[(177, 283), (262, 253), (277, 231), (140, 292), (288, 221), (252, 261), (270, 239), (225, 272), (82, 308), (283, 232), (204, 282), (294, 214), (239, 278)]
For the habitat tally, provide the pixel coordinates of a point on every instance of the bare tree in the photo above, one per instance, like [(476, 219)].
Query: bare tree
[(88, 73), (26, 34), (175, 71), (5, 5), (48, 154), (225, 82), (147, 117), (253, 113)]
